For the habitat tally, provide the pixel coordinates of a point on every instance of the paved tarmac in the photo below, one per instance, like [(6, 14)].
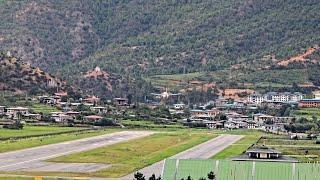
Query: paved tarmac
[(33, 158), (202, 151)]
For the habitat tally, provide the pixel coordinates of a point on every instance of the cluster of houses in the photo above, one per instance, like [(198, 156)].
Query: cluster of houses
[(234, 116), (17, 113), (69, 111), (285, 97), (235, 120)]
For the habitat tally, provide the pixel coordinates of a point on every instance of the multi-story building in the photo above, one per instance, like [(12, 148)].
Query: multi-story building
[(309, 103), (275, 97), (256, 98)]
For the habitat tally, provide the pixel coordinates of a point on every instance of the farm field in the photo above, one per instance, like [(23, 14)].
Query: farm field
[(150, 124), (11, 145), (129, 156), (35, 130), (266, 78), (44, 109), (302, 150), (307, 113)]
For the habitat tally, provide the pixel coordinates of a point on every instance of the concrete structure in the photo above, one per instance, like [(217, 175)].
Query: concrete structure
[(283, 97)]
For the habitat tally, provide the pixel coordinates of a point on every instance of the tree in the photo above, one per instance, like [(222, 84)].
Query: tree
[(211, 175), (139, 176), (189, 178), (153, 177)]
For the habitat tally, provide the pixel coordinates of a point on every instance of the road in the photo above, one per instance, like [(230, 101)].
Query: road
[(33, 159), (202, 151)]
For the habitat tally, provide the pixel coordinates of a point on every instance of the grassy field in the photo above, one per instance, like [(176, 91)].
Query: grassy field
[(150, 124), (129, 156), (35, 130), (45, 109), (303, 150), (250, 138), (307, 113), (11, 145)]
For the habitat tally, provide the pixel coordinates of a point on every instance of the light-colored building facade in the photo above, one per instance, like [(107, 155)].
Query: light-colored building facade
[(275, 97)]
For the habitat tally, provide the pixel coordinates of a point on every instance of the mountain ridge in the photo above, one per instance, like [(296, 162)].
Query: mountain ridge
[(134, 39)]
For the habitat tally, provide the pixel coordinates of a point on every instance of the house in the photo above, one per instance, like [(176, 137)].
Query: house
[(99, 109), (199, 114), (33, 116), (179, 106), (263, 153), (276, 127), (214, 124), (256, 98), (252, 125), (91, 100), (213, 112), (309, 103), (236, 125), (262, 118), (316, 94), (2, 110), (61, 118), (92, 118), (72, 113), (120, 102), (220, 103), (14, 112)]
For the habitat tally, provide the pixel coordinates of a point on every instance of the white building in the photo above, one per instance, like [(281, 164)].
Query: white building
[(14, 112), (275, 97)]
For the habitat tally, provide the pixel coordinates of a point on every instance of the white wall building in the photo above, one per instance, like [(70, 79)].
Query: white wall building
[(275, 97)]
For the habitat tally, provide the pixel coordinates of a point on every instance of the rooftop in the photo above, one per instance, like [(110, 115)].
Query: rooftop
[(239, 170), (263, 149)]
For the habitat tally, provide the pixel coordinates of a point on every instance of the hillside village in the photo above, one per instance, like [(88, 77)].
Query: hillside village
[(270, 112)]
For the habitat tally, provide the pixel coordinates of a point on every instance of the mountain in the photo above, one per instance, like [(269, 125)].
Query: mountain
[(19, 77), (137, 39)]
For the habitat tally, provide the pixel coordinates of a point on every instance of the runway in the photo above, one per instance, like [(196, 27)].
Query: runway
[(202, 151), (33, 159)]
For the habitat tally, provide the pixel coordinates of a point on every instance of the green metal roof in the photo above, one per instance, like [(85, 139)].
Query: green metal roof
[(240, 170)]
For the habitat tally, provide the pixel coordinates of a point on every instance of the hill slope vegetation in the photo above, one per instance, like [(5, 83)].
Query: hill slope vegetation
[(138, 38)]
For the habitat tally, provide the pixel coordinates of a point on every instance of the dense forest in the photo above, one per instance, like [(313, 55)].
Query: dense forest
[(134, 39)]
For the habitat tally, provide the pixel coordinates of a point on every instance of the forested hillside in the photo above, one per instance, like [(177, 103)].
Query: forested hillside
[(139, 38), (19, 77)]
